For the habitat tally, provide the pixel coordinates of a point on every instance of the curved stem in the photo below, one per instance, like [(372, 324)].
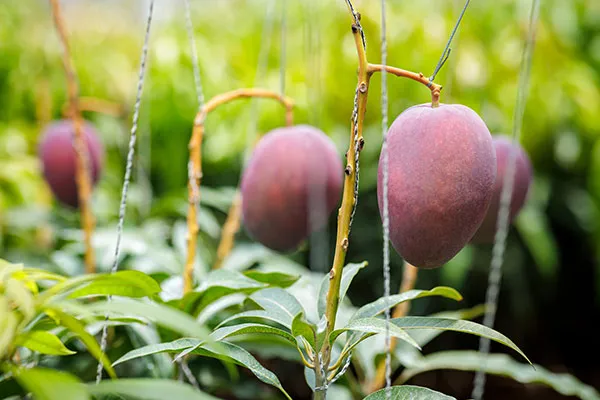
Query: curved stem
[(230, 228), (419, 77), (95, 105), (82, 172), (409, 278), (195, 164)]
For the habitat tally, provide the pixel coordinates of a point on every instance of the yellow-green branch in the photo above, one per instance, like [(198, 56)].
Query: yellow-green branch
[(195, 147)]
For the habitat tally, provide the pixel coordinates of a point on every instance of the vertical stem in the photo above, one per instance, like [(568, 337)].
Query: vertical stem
[(230, 228), (82, 174), (349, 201), (195, 147)]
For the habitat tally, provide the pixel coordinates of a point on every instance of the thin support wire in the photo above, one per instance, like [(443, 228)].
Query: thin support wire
[(495, 274), (386, 218), (194, 53), (283, 44), (128, 169), (447, 49)]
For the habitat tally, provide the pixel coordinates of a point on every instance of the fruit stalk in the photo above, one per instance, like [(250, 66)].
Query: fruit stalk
[(195, 164), (401, 310), (419, 77), (82, 173), (230, 228)]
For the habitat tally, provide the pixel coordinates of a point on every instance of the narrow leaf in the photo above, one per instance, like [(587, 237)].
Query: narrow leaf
[(502, 365), (384, 303), (148, 389), (279, 303), (49, 384), (121, 283), (273, 278), (160, 314), (172, 347), (348, 274), (231, 352), (408, 393), (43, 342), (16, 291), (456, 325), (242, 329), (373, 325), (301, 327), (76, 327), (255, 314)]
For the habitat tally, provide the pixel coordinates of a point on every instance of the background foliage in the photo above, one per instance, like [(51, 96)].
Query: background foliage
[(550, 297)]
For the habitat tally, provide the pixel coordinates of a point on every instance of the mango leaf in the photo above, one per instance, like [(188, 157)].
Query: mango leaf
[(49, 384), (278, 303), (8, 326), (448, 324), (148, 389), (384, 303), (373, 325), (76, 327), (408, 393), (348, 274), (158, 313), (172, 347), (242, 329), (216, 284), (255, 314), (502, 365), (16, 291), (301, 327), (278, 279), (121, 283), (230, 352), (43, 342)]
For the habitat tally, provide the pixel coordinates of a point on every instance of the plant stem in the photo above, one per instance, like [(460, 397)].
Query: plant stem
[(195, 173), (419, 77), (230, 228), (96, 105), (82, 172), (401, 310)]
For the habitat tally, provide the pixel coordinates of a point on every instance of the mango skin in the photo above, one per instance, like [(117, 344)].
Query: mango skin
[(58, 158), (522, 181), (287, 165), (442, 169)]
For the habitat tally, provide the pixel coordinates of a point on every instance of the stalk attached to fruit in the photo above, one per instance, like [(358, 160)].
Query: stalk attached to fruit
[(195, 165)]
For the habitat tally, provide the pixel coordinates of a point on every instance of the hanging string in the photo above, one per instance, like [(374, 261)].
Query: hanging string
[(447, 49), (194, 53), (128, 169), (386, 218), (283, 44), (495, 274)]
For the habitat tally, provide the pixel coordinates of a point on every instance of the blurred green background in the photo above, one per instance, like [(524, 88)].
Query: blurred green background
[(550, 297)]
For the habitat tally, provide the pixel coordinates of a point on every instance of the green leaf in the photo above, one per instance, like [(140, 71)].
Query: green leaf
[(148, 389), (121, 283), (502, 365), (171, 347), (16, 292), (448, 324), (384, 303), (301, 327), (348, 274), (8, 326), (49, 384), (160, 314), (230, 352), (408, 393), (255, 314), (373, 325), (279, 303), (43, 342), (216, 284), (273, 278), (76, 327), (242, 329), (408, 355)]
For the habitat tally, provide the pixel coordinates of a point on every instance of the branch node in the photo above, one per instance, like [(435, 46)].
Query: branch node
[(348, 170), (361, 144), (344, 244), (362, 87)]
